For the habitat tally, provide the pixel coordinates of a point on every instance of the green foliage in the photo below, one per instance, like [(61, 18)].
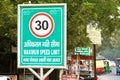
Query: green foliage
[(77, 21), (83, 12), (8, 19), (105, 9), (115, 38)]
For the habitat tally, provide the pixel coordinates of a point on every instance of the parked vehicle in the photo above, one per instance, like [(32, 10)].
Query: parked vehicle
[(100, 66), (107, 66), (118, 66)]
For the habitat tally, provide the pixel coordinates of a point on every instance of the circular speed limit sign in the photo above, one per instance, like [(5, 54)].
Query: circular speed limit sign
[(41, 25)]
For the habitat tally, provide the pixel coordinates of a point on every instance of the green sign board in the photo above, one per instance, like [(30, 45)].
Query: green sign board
[(83, 51), (42, 35)]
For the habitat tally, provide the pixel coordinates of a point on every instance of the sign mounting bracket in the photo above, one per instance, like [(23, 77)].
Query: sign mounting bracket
[(41, 76)]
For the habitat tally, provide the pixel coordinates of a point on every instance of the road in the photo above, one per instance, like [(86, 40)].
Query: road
[(109, 76)]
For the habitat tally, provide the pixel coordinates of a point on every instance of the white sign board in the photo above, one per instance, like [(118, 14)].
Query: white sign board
[(94, 34)]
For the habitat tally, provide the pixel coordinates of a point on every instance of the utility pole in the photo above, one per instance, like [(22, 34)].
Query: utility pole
[(94, 53)]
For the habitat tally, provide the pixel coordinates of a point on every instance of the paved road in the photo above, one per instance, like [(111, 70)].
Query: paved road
[(109, 76)]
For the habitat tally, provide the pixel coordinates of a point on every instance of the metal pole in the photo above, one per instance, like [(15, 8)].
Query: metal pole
[(94, 53), (33, 71), (41, 73), (24, 74), (41, 76), (48, 72)]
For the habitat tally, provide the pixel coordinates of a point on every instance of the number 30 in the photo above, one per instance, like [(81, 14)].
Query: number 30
[(41, 25)]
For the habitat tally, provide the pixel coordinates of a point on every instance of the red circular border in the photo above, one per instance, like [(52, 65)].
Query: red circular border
[(41, 36)]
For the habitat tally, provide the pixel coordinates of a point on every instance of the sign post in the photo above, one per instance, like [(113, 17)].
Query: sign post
[(95, 36), (41, 36)]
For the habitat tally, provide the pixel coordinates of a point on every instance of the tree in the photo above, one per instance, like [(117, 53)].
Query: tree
[(8, 20), (83, 12), (115, 38)]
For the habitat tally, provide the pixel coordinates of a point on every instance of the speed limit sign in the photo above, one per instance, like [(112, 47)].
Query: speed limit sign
[(41, 25), (42, 35)]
